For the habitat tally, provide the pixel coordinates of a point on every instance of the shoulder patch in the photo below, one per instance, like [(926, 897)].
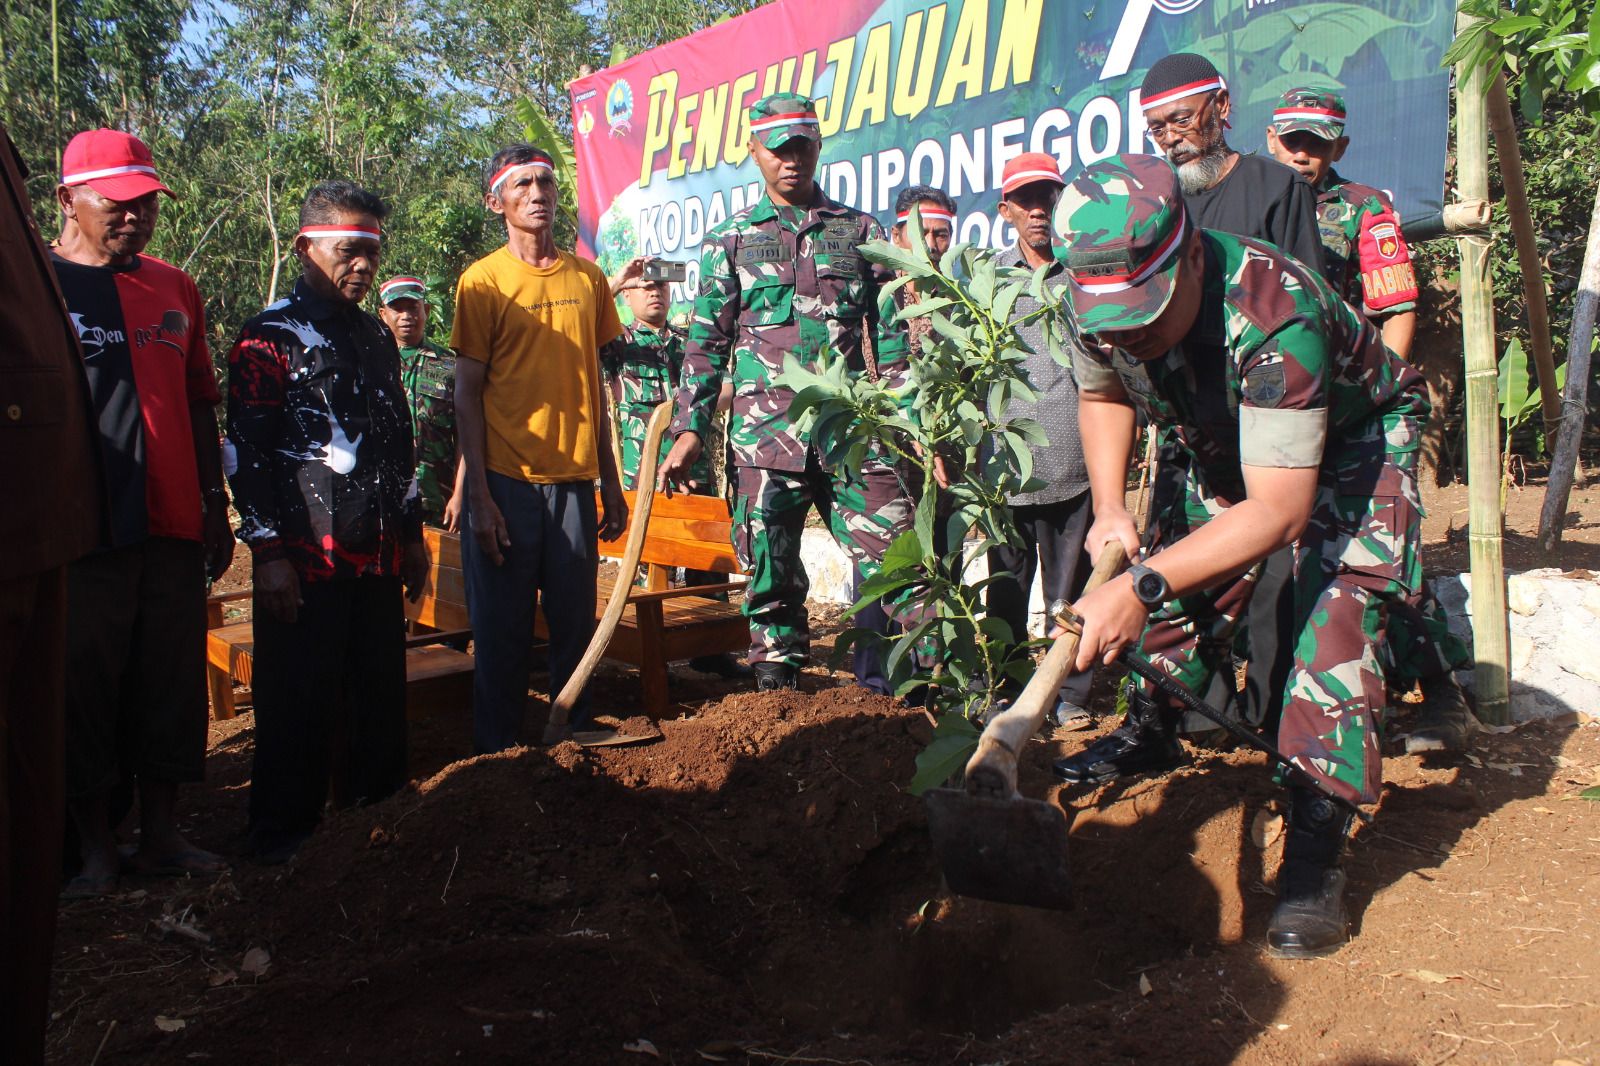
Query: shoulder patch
[(1265, 385)]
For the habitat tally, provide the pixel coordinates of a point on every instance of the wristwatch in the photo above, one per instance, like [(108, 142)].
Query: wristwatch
[(1151, 588)]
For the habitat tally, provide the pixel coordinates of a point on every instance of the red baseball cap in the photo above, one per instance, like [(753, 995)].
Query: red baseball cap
[(114, 164), (1027, 168)]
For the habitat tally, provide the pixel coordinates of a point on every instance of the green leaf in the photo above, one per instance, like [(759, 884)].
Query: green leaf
[(954, 740), (1507, 26), (1590, 793)]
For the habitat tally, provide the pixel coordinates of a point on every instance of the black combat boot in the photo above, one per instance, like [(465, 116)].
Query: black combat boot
[(1445, 721), (724, 665), (1147, 743), (1310, 921), (773, 676)]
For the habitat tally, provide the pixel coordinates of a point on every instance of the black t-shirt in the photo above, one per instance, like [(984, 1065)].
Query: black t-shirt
[(1264, 199)]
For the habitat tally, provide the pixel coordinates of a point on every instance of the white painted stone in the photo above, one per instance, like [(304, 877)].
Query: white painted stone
[(1522, 594), (832, 575), (1555, 639)]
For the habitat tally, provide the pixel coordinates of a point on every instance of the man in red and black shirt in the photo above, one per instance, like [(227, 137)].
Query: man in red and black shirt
[(327, 498), (136, 612)]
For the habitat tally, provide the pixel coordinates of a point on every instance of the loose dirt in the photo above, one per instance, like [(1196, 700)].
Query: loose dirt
[(757, 886)]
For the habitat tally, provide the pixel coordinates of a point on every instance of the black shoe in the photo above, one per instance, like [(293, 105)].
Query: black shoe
[(724, 665), (1445, 721), (773, 676), (1310, 919), (1147, 743)]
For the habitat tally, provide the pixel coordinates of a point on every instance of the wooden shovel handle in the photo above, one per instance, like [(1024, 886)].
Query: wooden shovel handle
[(637, 522), (992, 770)]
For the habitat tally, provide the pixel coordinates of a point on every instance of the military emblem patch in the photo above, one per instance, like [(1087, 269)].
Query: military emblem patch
[(1387, 238), (1264, 386)]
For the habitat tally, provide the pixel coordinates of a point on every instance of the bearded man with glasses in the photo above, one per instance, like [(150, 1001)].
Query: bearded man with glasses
[(1186, 107)]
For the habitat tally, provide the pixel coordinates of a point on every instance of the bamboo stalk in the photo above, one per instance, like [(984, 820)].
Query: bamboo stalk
[(1491, 636), (1533, 285), (1564, 457)]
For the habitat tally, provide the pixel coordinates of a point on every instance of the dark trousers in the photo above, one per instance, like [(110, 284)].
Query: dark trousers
[(866, 657), (330, 702), (33, 619), (553, 559), (1052, 542), (136, 666), (1272, 627)]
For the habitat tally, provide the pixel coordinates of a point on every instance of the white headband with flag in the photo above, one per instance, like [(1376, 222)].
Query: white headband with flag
[(1104, 283), (109, 172), (927, 213), (356, 232), (509, 169), (1307, 114), (792, 118), (1178, 93)]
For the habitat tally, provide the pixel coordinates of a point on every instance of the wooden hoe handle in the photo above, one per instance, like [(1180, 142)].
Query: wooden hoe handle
[(992, 770), (637, 522)]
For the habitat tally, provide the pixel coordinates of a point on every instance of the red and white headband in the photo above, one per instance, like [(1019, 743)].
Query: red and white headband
[(1307, 114), (1105, 283), (109, 172), (339, 232), (400, 283), (927, 213), (1178, 93), (1025, 177), (509, 169), (792, 118)]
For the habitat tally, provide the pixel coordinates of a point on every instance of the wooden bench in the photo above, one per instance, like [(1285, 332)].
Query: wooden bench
[(230, 646), (660, 624)]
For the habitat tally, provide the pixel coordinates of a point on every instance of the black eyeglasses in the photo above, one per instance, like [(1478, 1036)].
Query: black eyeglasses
[(1183, 124)]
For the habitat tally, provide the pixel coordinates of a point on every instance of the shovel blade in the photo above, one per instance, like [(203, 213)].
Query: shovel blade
[(1009, 851)]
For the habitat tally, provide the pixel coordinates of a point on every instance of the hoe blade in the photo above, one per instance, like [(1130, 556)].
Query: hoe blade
[(1009, 851)]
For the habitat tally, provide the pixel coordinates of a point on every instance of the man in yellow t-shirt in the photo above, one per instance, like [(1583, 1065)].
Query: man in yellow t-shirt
[(530, 321)]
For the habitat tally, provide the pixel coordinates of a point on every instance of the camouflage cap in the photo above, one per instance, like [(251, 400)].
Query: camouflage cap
[(777, 119), (404, 287), (1124, 225), (1318, 111)]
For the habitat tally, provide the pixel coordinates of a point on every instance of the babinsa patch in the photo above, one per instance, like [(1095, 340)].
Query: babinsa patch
[(1264, 386)]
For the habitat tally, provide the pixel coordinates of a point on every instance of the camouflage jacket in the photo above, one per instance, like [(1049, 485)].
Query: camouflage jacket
[(1365, 258), (430, 380), (776, 282), (1277, 371), (646, 365)]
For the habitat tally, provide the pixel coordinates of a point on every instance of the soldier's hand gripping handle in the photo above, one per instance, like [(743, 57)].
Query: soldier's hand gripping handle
[(678, 464)]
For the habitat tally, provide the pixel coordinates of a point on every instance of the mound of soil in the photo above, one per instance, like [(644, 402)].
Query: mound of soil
[(757, 886)]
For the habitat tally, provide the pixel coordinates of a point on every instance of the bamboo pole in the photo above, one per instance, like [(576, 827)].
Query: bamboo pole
[(1491, 636), (1564, 456), (1532, 270)]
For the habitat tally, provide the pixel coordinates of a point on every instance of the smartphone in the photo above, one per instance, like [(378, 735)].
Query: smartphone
[(662, 270)]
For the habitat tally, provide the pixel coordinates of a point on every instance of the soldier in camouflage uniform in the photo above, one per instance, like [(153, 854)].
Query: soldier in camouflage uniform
[(1366, 260), (644, 369), (430, 380), (1299, 427), (786, 278)]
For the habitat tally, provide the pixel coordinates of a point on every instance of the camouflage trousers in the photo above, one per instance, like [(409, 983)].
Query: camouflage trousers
[(1356, 561), (632, 422), (864, 510), (1420, 643)]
